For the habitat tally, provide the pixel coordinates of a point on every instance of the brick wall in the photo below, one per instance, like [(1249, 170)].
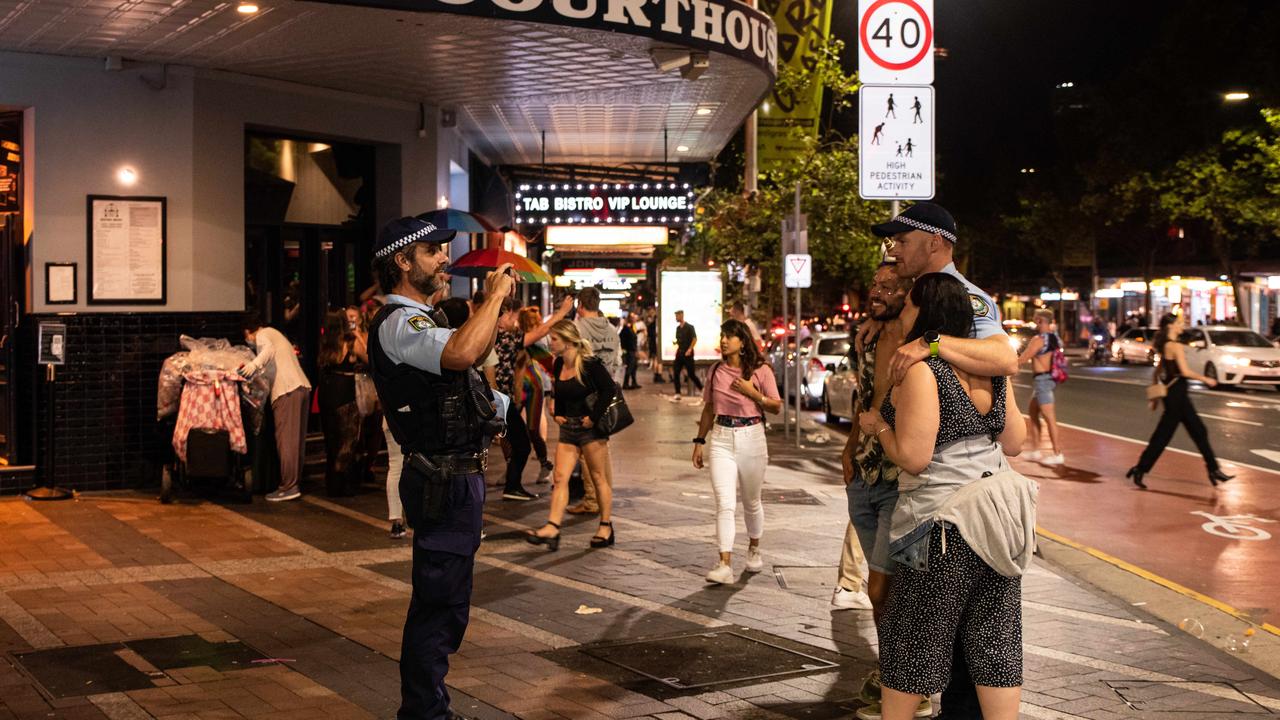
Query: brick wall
[(105, 432)]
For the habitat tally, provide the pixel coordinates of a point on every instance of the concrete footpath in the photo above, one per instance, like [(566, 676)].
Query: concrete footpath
[(115, 606)]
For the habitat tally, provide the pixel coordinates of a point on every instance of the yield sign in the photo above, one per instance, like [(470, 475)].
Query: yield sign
[(797, 271)]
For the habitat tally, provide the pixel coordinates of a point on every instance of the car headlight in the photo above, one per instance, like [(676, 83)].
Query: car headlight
[(1234, 360)]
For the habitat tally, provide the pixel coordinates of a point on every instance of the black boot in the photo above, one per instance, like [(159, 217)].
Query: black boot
[(1136, 473), (1217, 476)]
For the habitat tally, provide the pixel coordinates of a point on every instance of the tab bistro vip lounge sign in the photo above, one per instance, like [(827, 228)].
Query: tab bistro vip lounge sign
[(725, 26), (668, 203)]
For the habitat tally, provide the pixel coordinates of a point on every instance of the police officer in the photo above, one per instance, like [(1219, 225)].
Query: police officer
[(444, 416)]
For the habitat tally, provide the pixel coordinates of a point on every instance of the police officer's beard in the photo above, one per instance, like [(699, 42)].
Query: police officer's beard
[(426, 283)]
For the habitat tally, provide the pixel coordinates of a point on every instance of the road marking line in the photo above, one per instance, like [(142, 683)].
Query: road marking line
[(1170, 448), (1203, 391), (1093, 617), (1205, 688), (1152, 577), (1231, 419)]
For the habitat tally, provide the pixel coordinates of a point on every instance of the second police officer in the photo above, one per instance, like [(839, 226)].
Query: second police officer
[(444, 415)]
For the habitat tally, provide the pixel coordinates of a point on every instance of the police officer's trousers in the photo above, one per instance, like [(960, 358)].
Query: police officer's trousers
[(438, 615), (443, 562)]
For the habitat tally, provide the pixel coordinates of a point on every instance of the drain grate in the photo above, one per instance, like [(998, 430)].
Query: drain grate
[(780, 496), (93, 669), (701, 659), (1186, 696), (805, 577)]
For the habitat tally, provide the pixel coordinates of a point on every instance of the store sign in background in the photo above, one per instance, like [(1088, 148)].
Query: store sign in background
[(801, 25), (700, 295), (559, 203)]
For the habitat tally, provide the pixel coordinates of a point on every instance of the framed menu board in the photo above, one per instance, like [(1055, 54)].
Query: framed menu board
[(127, 244)]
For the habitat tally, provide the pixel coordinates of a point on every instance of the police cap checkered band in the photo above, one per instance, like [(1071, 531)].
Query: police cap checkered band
[(925, 216), (402, 232), (926, 227)]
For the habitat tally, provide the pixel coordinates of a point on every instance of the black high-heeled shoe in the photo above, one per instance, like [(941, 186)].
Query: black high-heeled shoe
[(1136, 473), (1217, 476), (599, 542), (551, 541)]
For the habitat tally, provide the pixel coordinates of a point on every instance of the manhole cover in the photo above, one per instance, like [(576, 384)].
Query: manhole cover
[(194, 651), (798, 577), (94, 669), (87, 670), (1196, 698), (780, 496), (706, 658)]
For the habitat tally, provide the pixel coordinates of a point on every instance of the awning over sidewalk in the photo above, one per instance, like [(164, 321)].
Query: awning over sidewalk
[(585, 72)]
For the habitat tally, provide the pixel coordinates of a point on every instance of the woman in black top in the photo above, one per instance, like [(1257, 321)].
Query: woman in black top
[(1173, 372), (578, 374)]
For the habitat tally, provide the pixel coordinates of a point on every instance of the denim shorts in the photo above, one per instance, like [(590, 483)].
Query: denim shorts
[(572, 433), (1042, 388), (871, 512)]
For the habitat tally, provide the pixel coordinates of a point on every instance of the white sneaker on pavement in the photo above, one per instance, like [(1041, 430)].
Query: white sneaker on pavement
[(1032, 455), (755, 561), (721, 575), (1053, 460), (850, 599)]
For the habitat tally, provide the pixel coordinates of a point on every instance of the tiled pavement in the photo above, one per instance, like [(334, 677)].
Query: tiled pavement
[(300, 607)]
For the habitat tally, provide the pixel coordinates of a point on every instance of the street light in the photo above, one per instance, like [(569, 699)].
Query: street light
[(1235, 96)]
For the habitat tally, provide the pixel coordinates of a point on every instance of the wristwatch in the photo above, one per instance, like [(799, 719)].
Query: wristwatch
[(931, 337), (699, 441)]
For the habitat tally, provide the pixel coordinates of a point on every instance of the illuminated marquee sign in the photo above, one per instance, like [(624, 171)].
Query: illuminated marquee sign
[(724, 26), (604, 204)]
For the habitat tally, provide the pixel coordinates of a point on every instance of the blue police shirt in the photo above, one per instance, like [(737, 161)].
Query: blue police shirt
[(409, 336), (986, 316)]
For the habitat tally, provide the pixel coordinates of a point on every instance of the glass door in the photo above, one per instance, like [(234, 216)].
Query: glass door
[(11, 275)]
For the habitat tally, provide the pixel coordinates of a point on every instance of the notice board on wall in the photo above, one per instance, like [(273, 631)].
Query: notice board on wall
[(127, 250)]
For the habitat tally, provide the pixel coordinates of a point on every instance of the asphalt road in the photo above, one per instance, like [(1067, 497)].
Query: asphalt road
[(1242, 423)]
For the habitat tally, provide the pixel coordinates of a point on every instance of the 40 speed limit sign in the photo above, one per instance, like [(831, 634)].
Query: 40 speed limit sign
[(895, 42)]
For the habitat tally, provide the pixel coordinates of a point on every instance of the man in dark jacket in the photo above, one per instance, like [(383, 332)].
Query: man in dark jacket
[(686, 339), (629, 349)]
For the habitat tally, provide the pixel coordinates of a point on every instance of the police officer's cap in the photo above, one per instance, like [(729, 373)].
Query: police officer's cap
[(401, 232), (926, 216)]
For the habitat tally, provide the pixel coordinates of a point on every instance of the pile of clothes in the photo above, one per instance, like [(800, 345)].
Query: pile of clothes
[(201, 384)]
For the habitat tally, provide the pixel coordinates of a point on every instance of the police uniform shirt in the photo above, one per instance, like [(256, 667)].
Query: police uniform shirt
[(986, 316), (411, 337)]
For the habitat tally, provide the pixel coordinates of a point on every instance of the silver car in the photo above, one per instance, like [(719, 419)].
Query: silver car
[(816, 353), (839, 395), (1135, 345)]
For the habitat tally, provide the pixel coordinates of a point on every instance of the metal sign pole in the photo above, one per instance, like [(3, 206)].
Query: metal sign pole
[(795, 224), (786, 426)]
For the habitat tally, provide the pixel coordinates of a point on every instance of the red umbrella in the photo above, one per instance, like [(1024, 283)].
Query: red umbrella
[(478, 263)]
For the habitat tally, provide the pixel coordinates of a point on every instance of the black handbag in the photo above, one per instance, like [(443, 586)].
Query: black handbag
[(616, 417)]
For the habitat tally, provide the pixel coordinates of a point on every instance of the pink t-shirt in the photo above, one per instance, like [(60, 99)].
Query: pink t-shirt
[(727, 401)]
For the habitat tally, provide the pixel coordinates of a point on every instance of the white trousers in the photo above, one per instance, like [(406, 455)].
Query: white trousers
[(738, 457), (395, 464)]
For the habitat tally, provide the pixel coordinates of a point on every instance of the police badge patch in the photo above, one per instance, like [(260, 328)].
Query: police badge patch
[(980, 306), (420, 323)]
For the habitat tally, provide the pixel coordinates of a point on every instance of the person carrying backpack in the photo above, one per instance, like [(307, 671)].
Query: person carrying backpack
[(1048, 367)]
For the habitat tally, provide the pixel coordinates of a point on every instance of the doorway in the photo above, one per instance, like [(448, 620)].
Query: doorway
[(12, 264), (309, 230)]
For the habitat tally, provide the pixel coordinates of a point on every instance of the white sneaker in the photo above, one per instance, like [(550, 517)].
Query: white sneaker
[(1053, 460), (721, 575), (1032, 455), (850, 599), (755, 562)]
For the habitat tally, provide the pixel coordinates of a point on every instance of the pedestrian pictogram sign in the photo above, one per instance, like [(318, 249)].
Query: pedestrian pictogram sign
[(798, 271), (895, 142), (895, 42)]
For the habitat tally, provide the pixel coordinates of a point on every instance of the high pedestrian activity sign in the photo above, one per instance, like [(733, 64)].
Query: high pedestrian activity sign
[(895, 142)]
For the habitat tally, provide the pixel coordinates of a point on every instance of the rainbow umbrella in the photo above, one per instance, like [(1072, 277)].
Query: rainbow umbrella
[(466, 222), (478, 263)]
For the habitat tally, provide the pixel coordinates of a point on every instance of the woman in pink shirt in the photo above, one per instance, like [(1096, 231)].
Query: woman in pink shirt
[(739, 390)]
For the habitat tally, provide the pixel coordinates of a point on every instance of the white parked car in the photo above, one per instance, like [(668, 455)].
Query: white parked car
[(1134, 345), (838, 397), (1232, 355)]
